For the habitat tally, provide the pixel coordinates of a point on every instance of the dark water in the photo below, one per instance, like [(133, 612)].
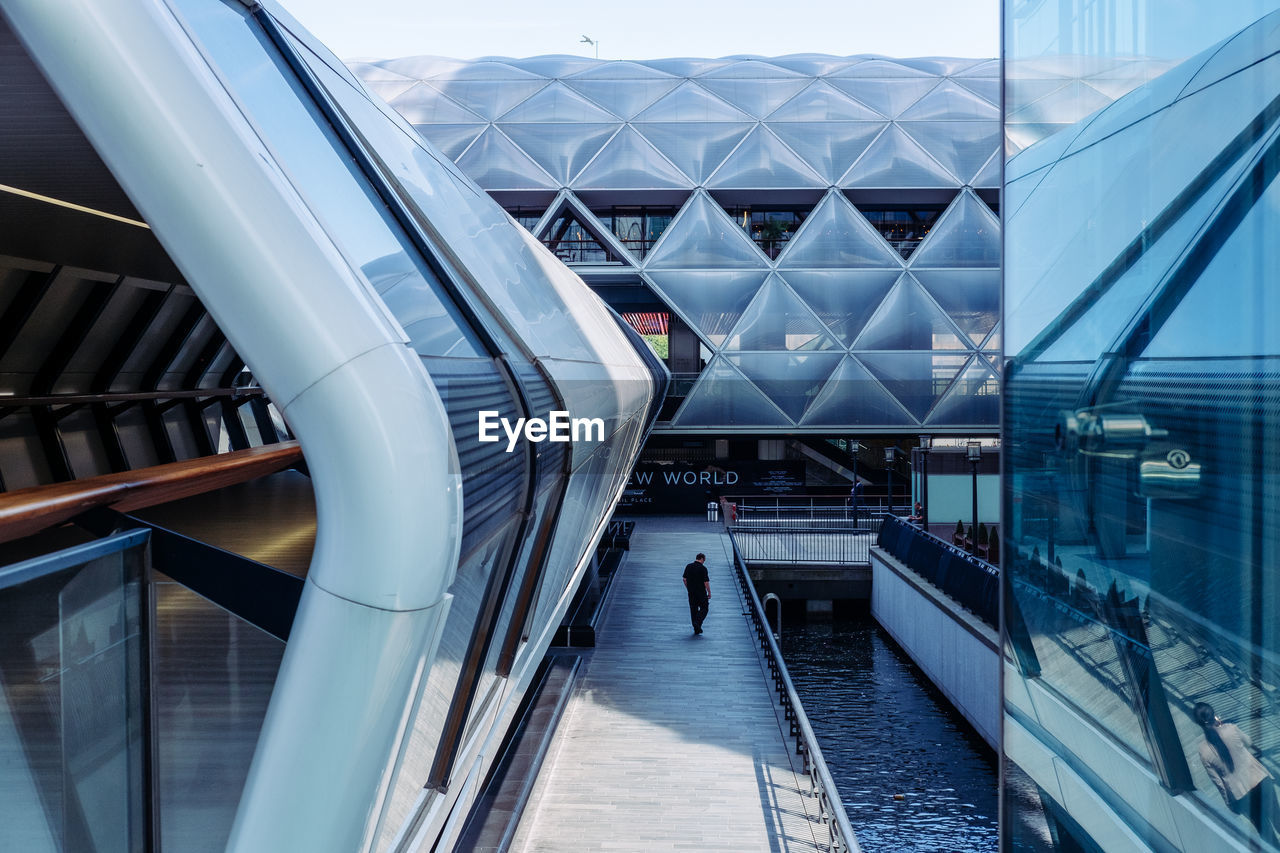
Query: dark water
[(884, 731)]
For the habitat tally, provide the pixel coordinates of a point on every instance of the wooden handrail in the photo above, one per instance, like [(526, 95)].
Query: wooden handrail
[(27, 511)]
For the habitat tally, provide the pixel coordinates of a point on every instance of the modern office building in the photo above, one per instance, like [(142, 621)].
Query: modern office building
[(1142, 613), (815, 236), (213, 241)]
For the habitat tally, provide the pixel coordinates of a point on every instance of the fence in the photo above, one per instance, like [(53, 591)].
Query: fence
[(968, 580), (840, 833), (802, 531)]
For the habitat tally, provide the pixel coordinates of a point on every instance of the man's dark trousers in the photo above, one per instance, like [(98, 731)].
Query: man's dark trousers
[(697, 611)]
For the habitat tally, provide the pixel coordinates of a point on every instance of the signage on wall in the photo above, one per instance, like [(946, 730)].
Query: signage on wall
[(686, 487)]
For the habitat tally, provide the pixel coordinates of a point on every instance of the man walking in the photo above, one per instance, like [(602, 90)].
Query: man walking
[(698, 584)]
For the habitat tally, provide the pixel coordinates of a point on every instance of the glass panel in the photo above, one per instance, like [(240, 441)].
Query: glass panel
[(72, 751), (853, 397), (621, 70), (696, 147), (990, 174), (988, 88), (883, 68), (389, 90), (763, 161), (691, 102), (950, 102), (723, 397), (971, 298), (561, 149), (917, 379), (758, 97), (843, 299), (749, 69), (1064, 105), (778, 320), (986, 68), (575, 243), (820, 102), (450, 139), (904, 227), (887, 97), (494, 162), (213, 678), (623, 98), (909, 319), (554, 66), (424, 104), (830, 147), (711, 301), (974, 399), (791, 380), (627, 161), (813, 64), (835, 235), (703, 236), (556, 103), (963, 147), (896, 160), (967, 235), (487, 98)]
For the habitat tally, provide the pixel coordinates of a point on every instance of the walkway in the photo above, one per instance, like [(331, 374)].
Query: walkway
[(670, 740)]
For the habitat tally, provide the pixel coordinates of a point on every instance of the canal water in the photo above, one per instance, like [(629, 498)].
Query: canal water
[(885, 731)]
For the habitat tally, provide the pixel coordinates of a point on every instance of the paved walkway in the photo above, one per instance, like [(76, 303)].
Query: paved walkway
[(670, 741)]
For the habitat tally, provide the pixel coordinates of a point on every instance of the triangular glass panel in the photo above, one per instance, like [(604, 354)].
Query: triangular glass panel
[(984, 87), (887, 97), (777, 319), (909, 319), (561, 149), (724, 397), (711, 301), (813, 64), (882, 68), (971, 297), (378, 71), (756, 97), (835, 235), (495, 163), (624, 98), (450, 139), (989, 176), (991, 346), (698, 148), (762, 161), (620, 70), (703, 236), (423, 67), (1066, 105), (853, 397), (939, 65), (556, 103), (974, 399), (1022, 92), (389, 90), (628, 162), (916, 379), (486, 70), (792, 380), (488, 98), (949, 102), (691, 102), (421, 104), (987, 68), (821, 102), (896, 160), (829, 147), (842, 299), (686, 66), (573, 241), (902, 226), (555, 65), (750, 69), (963, 147), (967, 235)]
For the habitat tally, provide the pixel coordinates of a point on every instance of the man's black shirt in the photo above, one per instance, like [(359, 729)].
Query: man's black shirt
[(695, 575)]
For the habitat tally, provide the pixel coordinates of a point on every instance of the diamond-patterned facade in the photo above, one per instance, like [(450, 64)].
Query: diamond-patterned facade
[(824, 324)]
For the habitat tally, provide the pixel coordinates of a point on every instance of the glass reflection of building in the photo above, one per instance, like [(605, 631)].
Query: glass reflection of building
[(1141, 492)]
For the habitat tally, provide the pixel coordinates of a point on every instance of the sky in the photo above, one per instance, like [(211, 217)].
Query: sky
[(384, 29)]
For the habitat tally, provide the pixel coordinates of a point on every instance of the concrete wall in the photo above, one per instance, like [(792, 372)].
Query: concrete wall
[(958, 652)]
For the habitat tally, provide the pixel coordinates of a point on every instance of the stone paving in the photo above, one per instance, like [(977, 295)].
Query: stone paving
[(671, 741)]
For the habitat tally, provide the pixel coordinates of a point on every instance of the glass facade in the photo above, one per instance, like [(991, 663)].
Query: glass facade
[(1142, 487)]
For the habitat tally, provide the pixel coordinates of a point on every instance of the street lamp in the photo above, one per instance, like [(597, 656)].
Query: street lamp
[(973, 452), (592, 42), (889, 453), (926, 442), (854, 447)]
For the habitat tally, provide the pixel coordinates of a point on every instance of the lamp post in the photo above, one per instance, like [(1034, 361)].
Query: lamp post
[(973, 450), (926, 442), (854, 447), (889, 453)]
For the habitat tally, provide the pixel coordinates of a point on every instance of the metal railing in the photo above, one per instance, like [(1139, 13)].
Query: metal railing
[(803, 531), (973, 583), (840, 835)]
